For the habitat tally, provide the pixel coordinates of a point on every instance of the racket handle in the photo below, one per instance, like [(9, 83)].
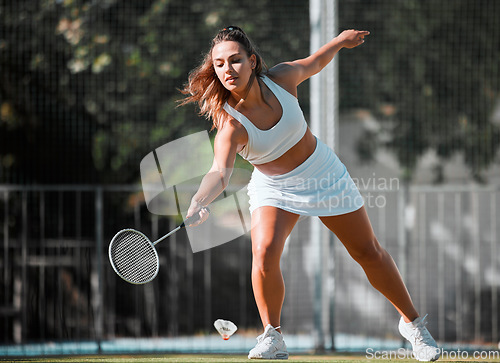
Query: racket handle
[(193, 218)]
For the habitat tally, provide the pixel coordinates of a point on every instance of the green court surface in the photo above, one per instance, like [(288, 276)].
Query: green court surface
[(213, 358)]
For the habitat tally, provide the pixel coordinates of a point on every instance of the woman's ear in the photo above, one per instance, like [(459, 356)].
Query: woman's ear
[(253, 61)]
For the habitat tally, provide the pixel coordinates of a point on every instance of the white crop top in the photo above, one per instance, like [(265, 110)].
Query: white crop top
[(267, 145)]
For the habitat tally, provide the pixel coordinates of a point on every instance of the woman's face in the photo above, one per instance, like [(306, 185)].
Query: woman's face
[(232, 65)]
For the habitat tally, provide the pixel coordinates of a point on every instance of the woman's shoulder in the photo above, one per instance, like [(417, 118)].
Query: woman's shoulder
[(233, 130), (232, 133), (282, 75)]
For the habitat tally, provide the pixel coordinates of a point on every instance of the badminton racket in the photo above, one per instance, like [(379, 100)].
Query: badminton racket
[(134, 257)]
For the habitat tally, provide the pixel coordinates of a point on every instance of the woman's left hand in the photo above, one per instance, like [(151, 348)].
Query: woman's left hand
[(352, 38)]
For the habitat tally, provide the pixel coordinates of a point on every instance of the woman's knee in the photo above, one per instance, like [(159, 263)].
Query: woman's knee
[(368, 252), (266, 254)]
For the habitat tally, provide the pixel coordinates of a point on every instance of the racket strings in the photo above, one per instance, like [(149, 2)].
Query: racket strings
[(134, 257)]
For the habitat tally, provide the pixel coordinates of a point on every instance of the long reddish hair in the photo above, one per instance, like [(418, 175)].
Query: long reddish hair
[(205, 88)]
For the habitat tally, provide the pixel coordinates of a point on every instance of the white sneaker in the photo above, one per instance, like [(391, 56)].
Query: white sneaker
[(270, 345), (424, 346)]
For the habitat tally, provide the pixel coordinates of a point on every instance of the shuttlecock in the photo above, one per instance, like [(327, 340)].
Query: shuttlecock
[(225, 328)]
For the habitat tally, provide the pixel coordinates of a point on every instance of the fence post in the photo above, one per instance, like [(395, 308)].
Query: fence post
[(6, 259), (403, 226), (494, 287), (324, 124), (97, 300), (24, 262)]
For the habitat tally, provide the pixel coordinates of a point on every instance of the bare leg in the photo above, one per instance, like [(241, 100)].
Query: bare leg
[(355, 232), (270, 228)]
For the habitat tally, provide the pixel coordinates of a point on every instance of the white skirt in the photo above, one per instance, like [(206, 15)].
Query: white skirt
[(320, 186)]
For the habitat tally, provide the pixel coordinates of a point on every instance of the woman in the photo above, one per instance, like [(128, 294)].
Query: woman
[(256, 114)]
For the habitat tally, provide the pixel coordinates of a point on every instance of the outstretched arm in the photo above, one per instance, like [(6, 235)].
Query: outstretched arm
[(296, 72)]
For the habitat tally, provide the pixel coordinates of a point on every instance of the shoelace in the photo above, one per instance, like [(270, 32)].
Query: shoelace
[(268, 341), (264, 340), (260, 337), (421, 334)]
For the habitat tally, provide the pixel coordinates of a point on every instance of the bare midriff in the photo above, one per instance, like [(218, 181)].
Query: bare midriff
[(295, 156)]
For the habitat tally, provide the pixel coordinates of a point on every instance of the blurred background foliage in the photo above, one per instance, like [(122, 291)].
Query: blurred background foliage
[(431, 74), (87, 88)]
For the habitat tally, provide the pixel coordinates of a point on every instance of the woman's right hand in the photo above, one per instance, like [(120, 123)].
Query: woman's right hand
[(196, 208)]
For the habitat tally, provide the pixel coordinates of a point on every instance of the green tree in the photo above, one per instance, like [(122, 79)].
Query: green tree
[(430, 72), (88, 88)]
